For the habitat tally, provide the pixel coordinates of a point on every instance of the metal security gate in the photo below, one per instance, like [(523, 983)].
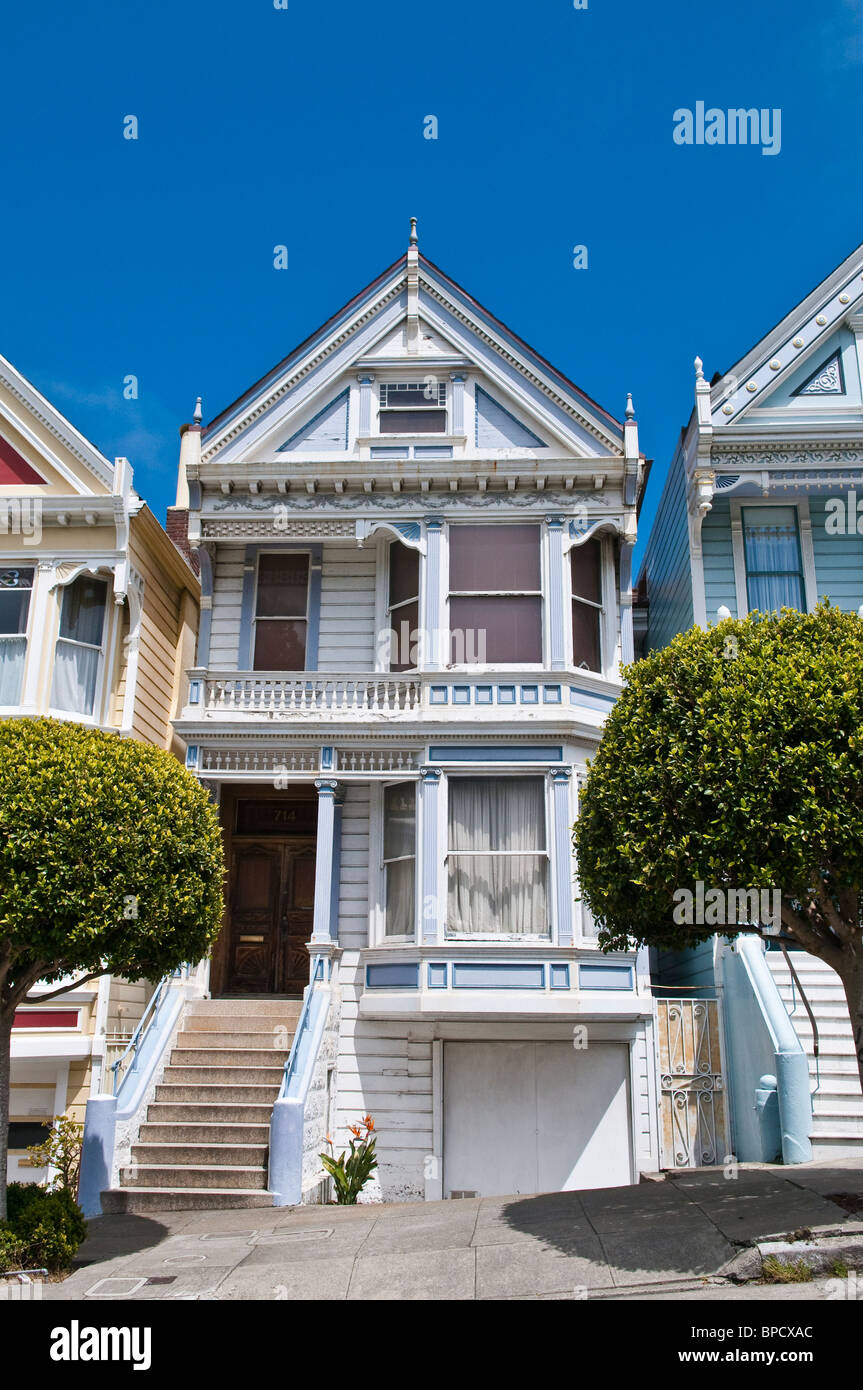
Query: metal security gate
[(693, 1118)]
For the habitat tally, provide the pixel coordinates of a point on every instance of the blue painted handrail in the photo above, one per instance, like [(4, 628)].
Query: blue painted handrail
[(147, 1017)]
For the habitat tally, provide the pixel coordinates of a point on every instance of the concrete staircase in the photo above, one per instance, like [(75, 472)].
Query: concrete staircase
[(204, 1143), (837, 1105)]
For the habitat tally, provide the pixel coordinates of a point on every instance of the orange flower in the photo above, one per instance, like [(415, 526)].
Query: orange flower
[(355, 1131), (369, 1123)]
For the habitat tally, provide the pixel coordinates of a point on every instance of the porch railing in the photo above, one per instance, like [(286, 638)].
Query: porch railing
[(311, 693)]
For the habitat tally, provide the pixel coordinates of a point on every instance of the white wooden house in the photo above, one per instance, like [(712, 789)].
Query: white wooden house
[(415, 539)]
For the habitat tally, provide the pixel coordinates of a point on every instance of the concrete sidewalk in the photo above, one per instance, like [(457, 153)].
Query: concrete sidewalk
[(599, 1243)]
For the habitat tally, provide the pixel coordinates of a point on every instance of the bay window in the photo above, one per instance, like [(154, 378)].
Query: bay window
[(79, 648), (399, 859), (16, 586), (403, 607), (497, 859), (281, 612), (495, 586), (772, 555), (586, 575)]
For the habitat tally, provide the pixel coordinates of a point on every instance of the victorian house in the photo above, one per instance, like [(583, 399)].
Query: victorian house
[(763, 509), (98, 616), (415, 541)]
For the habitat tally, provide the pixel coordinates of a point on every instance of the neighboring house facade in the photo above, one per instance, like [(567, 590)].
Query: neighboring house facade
[(759, 511), (98, 619), (415, 542)]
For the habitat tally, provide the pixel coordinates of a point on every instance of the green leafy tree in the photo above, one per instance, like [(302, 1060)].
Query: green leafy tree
[(110, 863), (734, 757)]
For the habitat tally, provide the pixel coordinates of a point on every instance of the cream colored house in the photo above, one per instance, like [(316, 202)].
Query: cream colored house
[(98, 620)]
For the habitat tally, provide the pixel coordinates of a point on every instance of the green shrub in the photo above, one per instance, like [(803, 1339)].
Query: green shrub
[(44, 1229)]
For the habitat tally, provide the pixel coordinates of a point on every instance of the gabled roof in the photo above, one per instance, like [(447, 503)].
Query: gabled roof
[(373, 299), (41, 411)]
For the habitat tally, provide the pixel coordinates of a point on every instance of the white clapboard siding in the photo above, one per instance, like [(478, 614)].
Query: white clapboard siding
[(347, 631), (354, 869), (227, 603)]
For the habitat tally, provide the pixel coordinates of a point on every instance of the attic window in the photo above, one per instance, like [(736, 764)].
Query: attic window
[(412, 407)]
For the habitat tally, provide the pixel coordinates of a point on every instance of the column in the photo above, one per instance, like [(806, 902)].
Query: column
[(554, 593), (431, 907), (457, 417), (434, 637), (564, 885), (325, 927), (365, 426)]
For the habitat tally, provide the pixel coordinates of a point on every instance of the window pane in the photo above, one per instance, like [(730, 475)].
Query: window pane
[(413, 422), (585, 636), (12, 650), (500, 813), (412, 393), (493, 558), (501, 895), (404, 572), (404, 624), (773, 562), (399, 821), (76, 670), (83, 614), (400, 898), (585, 562), (280, 645), (282, 586), (15, 587), (512, 629)]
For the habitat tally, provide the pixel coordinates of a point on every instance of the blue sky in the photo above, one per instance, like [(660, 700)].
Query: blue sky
[(304, 126)]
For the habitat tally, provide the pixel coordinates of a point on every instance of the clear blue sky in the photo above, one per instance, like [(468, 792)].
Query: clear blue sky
[(304, 126)]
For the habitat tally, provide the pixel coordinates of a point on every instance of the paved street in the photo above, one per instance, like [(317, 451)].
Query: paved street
[(667, 1239)]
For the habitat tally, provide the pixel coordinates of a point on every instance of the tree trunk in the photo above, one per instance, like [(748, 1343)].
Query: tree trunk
[(852, 980), (6, 1019)]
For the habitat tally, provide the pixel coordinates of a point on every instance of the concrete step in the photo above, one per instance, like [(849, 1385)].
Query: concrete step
[(222, 1132), (189, 1113), (240, 1023), (281, 1009), (224, 1075), (246, 1040), (826, 1147), (228, 1057), (147, 1154), (223, 1178), (141, 1201), (215, 1094)]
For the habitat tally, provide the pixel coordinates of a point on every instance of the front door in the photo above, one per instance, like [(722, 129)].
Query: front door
[(271, 909)]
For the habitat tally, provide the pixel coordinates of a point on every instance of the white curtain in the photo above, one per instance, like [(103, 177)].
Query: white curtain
[(773, 559), (75, 672), (497, 861), (400, 857), (400, 898), (12, 651)]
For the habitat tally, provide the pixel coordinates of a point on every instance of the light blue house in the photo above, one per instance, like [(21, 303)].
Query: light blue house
[(763, 507)]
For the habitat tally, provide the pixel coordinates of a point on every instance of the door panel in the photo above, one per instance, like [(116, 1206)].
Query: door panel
[(271, 900), (535, 1117), (298, 901)]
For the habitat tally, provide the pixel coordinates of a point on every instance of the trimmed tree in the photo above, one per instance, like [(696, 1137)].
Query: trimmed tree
[(734, 758), (110, 863)]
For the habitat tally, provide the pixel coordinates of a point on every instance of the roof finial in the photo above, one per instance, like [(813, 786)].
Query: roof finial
[(414, 239), (199, 414), (699, 369), (630, 408)]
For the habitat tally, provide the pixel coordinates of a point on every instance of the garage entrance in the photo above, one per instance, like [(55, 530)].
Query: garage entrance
[(525, 1117)]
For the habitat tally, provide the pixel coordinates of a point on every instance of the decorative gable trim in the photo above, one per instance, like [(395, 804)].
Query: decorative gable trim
[(826, 380), (488, 413), (331, 410), (14, 468), (40, 409)]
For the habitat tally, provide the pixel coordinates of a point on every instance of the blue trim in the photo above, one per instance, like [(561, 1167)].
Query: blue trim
[(500, 975), (401, 975), (313, 633), (389, 451), (533, 440), (192, 755), (409, 529), (484, 695), (605, 977), (461, 694), (195, 688), (438, 694), (591, 699), (326, 759), (336, 871), (499, 753), (247, 609), (506, 694), (314, 549), (559, 976), (552, 695), (437, 975), (287, 1123), (530, 694)]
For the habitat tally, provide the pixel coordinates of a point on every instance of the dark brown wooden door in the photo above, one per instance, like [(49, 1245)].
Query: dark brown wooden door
[(271, 905)]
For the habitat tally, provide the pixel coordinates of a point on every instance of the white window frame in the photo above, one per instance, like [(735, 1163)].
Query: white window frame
[(17, 564), (388, 626), (476, 772), (282, 617), (539, 593), (804, 532), (106, 648), (607, 608), (378, 924), (384, 386)]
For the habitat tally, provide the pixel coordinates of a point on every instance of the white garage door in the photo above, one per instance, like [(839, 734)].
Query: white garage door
[(534, 1117)]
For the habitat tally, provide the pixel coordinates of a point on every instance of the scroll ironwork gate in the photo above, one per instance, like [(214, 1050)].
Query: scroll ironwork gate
[(693, 1112)]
